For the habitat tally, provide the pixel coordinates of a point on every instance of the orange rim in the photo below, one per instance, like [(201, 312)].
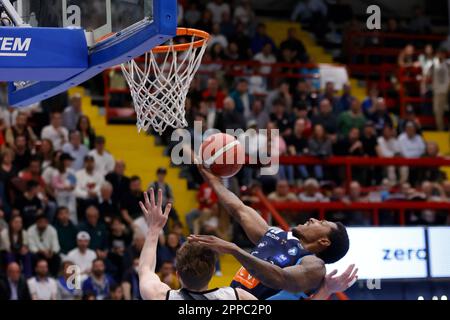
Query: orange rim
[(185, 46)]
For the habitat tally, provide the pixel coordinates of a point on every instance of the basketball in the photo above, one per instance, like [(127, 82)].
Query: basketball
[(222, 154)]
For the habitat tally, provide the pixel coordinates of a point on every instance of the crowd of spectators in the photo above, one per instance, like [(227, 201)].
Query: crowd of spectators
[(70, 222), (65, 201)]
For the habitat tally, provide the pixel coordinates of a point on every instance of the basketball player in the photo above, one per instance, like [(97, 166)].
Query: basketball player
[(283, 265), (194, 263)]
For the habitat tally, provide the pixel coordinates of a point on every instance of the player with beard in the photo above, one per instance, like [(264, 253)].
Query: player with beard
[(283, 265)]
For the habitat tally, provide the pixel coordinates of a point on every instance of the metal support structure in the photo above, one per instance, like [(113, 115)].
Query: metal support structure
[(13, 14)]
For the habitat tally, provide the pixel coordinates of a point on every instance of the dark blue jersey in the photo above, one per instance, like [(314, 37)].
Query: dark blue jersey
[(278, 247)]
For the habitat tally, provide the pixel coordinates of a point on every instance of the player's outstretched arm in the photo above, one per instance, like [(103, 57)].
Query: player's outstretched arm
[(150, 285), (250, 220), (306, 276)]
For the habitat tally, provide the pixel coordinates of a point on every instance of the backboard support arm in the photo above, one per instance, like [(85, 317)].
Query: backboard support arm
[(13, 14)]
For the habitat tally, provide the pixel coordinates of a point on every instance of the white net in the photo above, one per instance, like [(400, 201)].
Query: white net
[(159, 85)]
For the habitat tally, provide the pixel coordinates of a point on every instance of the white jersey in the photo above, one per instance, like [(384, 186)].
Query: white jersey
[(226, 293)]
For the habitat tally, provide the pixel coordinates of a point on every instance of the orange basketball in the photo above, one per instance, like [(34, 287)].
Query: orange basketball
[(222, 154)]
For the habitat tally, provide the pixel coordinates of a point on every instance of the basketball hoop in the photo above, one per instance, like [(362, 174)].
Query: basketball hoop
[(159, 84)]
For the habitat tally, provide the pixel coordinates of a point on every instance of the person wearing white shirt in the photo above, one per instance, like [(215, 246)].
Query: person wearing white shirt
[(440, 75), (55, 132), (76, 149), (82, 256), (267, 57), (217, 37), (411, 146), (42, 287), (89, 180), (389, 147), (217, 8), (104, 161), (43, 242)]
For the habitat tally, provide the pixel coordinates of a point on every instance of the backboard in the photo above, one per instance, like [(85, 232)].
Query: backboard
[(99, 18), (53, 45)]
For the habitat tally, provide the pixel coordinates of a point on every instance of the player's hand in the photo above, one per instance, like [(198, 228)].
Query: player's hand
[(216, 244), (340, 283), (152, 210)]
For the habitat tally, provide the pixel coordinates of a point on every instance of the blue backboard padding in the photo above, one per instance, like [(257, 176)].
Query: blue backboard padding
[(49, 54), (113, 53)]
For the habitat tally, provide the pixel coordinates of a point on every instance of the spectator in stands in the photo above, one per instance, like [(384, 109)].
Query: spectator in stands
[(29, 205), (295, 45), (410, 116), (226, 25), (311, 192), (44, 243), (411, 146), (230, 117), (66, 230), (369, 103), (345, 101), (130, 282), (104, 161), (72, 113), (244, 14), (87, 133), (439, 73), (265, 56), (192, 15), (330, 94), (407, 57), (42, 287), (167, 193), (97, 231), (22, 154), (213, 91), (350, 145), (355, 195), (33, 173), (426, 59), (14, 244), (282, 193), (206, 21), (55, 131), (279, 93), (168, 276), (243, 42), (66, 288), (45, 153), (381, 116), (119, 239), (206, 199), (9, 114), (81, 255), (130, 208), (99, 283), (76, 150), (389, 147), (242, 98), (20, 128), (297, 144), (14, 286), (282, 118), (217, 37), (258, 115), (134, 250), (168, 251), (420, 23), (118, 180), (433, 174), (217, 8), (116, 293), (353, 118), (319, 145), (88, 180), (325, 117), (108, 208), (64, 183), (260, 39)]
